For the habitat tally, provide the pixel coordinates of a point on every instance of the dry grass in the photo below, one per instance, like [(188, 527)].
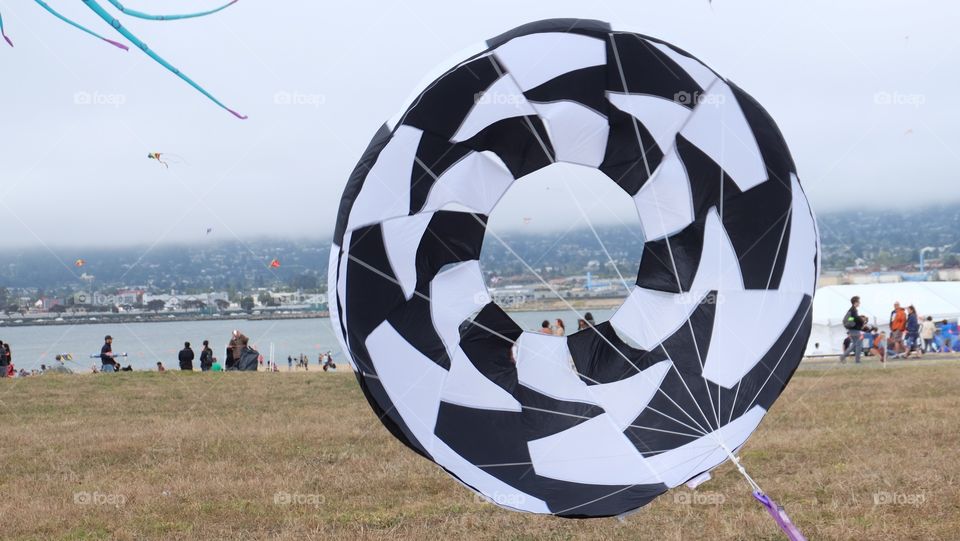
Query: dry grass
[(202, 456)]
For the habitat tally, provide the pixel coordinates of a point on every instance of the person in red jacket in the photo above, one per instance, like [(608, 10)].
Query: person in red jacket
[(898, 324)]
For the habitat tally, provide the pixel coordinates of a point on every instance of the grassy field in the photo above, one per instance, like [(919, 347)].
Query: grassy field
[(852, 452)]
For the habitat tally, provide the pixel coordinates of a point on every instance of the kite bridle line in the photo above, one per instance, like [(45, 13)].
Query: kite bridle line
[(380, 273)]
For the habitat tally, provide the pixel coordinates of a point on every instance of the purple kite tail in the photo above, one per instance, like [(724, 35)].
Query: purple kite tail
[(8, 40), (116, 44), (236, 114), (779, 515)]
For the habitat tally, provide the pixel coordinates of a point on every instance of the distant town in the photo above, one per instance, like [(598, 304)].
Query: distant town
[(287, 278)]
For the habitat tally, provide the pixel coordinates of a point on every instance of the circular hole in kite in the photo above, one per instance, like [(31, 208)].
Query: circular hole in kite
[(550, 218)]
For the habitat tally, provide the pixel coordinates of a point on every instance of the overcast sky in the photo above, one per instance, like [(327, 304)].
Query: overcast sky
[(864, 92)]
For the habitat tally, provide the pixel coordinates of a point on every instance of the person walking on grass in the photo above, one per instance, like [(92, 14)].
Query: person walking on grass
[(927, 332), (186, 357), (854, 326)]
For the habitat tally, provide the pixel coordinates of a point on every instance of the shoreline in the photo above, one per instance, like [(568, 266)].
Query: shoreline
[(555, 305), (154, 318)]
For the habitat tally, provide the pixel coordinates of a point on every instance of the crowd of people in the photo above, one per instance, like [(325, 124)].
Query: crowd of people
[(909, 334), (238, 356), (325, 360)]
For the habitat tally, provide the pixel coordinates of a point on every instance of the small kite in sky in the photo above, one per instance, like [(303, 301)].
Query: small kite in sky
[(275, 264), (166, 158), (209, 230), (526, 221), (157, 156), (79, 263), (95, 6)]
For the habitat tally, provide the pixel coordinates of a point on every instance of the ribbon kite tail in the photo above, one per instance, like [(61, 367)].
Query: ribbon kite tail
[(780, 516), (150, 17), (4, 34), (112, 21), (80, 27)]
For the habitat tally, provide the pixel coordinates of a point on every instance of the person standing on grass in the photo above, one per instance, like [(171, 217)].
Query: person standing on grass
[(233, 351), (898, 325), (927, 332), (186, 358), (206, 357), (107, 360), (3, 359), (5, 353), (854, 326), (913, 331), (249, 358)]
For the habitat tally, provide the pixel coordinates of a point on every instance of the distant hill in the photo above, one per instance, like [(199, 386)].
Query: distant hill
[(223, 265), (869, 237), (890, 238)]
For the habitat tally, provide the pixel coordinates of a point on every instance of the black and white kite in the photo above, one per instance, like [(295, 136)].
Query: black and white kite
[(602, 421)]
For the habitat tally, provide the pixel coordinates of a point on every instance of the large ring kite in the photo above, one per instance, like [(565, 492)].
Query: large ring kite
[(602, 421)]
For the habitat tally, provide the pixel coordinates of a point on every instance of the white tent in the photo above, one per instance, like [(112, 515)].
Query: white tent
[(941, 300)]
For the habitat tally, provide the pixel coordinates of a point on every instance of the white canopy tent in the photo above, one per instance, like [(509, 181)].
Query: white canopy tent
[(941, 300)]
